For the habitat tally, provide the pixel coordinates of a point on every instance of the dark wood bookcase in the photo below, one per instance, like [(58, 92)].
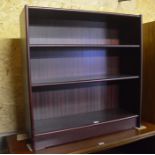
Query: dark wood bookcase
[(82, 74)]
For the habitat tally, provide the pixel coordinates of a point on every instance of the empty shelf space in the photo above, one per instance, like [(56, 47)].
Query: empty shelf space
[(88, 79), (83, 45), (44, 126)]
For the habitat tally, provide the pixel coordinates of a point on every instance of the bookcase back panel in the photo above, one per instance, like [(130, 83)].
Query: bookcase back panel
[(69, 101), (60, 27), (72, 64), (62, 108), (61, 104), (72, 32)]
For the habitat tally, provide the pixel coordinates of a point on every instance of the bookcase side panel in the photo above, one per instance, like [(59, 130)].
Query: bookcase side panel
[(26, 72)]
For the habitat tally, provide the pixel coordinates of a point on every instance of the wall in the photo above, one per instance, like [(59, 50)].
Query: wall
[(11, 95)]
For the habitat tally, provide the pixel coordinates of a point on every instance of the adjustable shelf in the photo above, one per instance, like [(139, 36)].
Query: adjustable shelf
[(85, 80), (82, 74), (83, 45)]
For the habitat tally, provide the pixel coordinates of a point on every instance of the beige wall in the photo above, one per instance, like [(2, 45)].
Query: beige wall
[(11, 96)]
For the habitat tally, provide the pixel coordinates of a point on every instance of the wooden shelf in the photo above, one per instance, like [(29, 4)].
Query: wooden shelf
[(90, 80), (84, 45), (47, 126), (91, 145)]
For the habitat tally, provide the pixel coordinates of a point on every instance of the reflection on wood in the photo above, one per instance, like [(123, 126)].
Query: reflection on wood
[(80, 32), (79, 120), (65, 102), (68, 64)]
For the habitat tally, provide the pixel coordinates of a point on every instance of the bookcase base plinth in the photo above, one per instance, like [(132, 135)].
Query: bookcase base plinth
[(67, 136)]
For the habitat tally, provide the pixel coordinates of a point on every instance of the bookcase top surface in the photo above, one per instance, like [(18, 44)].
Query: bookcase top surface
[(82, 11)]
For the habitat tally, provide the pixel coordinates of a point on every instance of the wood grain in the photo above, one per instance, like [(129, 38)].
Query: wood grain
[(73, 70), (149, 72), (90, 145)]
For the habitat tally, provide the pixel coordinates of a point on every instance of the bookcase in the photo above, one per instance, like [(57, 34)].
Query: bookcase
[(82, 74)]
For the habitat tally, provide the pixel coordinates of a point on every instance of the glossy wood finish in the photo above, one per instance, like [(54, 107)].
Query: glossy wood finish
[(77, 134), (80, 100), (78, 63), (98, 14), (84, 45), (26, 72), (49, 126), (83, 25), (92, 145), (80, 81), (149, 72)]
